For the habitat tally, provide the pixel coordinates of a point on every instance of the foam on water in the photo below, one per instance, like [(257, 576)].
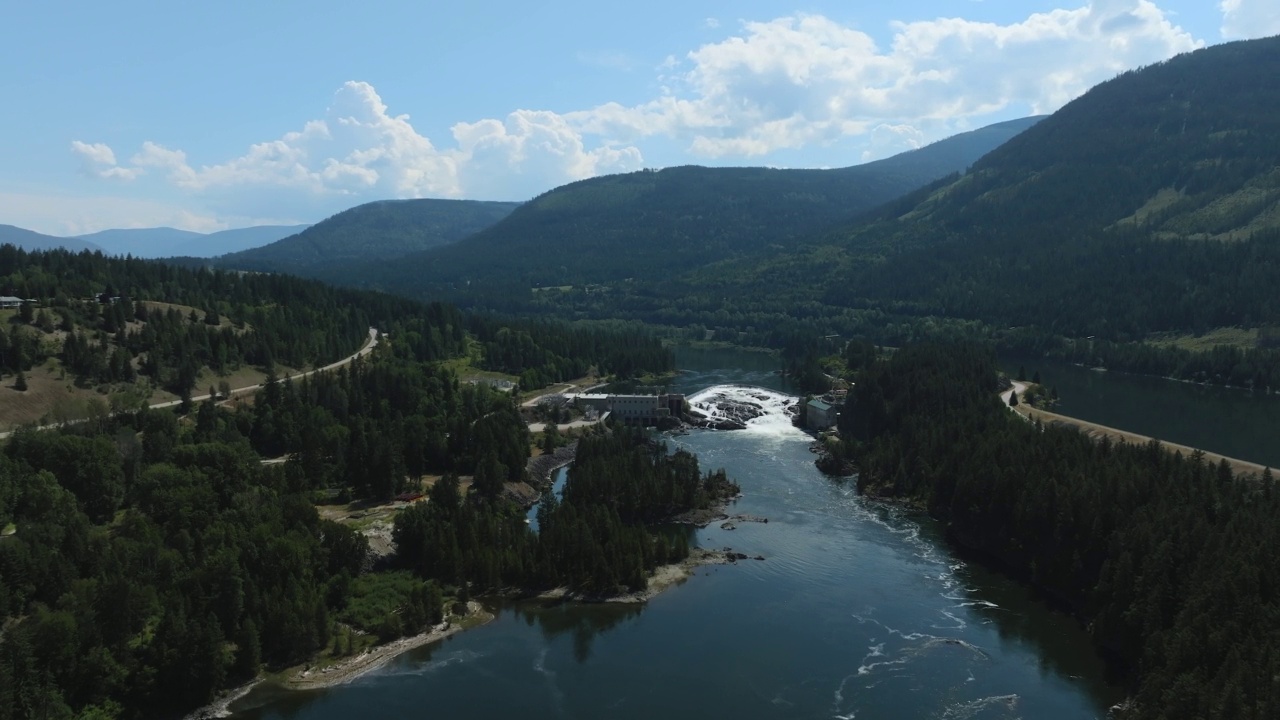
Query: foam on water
[(557, 695), (993, 706), (775, 422)]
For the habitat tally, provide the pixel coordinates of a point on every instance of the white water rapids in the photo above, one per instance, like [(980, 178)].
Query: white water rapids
[(776, 409)]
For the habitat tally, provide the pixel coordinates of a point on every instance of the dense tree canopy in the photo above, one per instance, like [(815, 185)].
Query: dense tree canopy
[(1163, 556)]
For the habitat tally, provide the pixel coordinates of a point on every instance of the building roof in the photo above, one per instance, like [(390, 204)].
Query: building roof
[(10, 298), (819, 405)]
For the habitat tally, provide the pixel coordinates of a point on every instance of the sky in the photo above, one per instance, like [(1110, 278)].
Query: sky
[(207, 116)]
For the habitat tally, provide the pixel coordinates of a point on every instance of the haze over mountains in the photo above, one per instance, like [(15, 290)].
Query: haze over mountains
[(153, 242), (32, 240), (169, 242)]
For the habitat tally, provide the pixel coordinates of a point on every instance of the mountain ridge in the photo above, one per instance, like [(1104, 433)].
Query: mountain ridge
[(32, 240), (383, 229), (653, 223)]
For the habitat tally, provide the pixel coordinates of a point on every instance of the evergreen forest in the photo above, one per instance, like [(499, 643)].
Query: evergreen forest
[(150, 557), (1164, 557)]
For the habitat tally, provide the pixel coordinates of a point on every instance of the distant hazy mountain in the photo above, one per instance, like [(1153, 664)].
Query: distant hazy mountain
[(655, 224), (382, 230), (170, 242), (32, 240)]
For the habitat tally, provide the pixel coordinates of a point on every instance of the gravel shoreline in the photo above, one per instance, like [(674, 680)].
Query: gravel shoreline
[(379, 655)]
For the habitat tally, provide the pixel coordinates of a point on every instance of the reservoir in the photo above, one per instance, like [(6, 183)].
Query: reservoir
[(1230, 421), (859, 610)]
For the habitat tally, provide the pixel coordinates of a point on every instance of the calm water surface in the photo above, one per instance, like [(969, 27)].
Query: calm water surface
[(1234, 422), (858, 611)]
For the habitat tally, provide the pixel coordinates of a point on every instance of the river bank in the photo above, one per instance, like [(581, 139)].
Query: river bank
[(664, 577), (1098, 431), (861, 610), (309, 678)]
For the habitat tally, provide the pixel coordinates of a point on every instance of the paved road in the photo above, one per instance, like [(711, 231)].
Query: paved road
[(368, 347)]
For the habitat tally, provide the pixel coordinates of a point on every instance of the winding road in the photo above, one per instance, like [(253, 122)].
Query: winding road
[(1096, 431), (367, 348)]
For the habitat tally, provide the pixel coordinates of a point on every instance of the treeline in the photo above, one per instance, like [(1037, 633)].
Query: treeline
[(116, 322), (147, 560), (545, 352), (108, 307), (1163, 556), (594, 540), (642, 481), (375, 428), (1257, 367), (142, 570)]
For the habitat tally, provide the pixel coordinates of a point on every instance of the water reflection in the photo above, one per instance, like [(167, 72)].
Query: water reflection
[(583, 622)]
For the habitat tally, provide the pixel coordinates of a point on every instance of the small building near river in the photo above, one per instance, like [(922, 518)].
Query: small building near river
[(819, 415)]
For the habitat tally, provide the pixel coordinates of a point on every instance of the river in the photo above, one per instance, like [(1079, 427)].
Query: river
[(858, 611)]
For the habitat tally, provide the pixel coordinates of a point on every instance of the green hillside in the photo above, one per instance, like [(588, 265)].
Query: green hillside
[(652, 224), (382, 230), (1148, 205), (1151, 203)]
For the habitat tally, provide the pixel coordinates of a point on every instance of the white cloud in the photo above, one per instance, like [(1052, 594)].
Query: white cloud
[(798, 81), (360, 151), (785, 84), (97, 160), (886, 140), (539, 147), (1246, 19)]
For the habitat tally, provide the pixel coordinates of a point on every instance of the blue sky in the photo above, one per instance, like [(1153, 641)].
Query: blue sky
[(205, 116)]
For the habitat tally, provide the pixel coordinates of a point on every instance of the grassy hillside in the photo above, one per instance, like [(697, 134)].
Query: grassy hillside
[(381, 230)]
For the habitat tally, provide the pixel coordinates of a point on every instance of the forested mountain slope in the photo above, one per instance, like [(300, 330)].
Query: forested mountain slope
[(382, 230), (1150, 203), (651, 224)]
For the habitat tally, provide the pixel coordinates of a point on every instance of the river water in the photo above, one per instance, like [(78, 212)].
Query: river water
[(858, 611)]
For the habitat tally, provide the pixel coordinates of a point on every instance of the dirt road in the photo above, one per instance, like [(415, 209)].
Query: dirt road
[(367, 348), (1096, 431)]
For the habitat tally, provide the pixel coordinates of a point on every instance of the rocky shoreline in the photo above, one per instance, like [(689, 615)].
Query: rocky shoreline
[(542, 468), (378, 655)]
